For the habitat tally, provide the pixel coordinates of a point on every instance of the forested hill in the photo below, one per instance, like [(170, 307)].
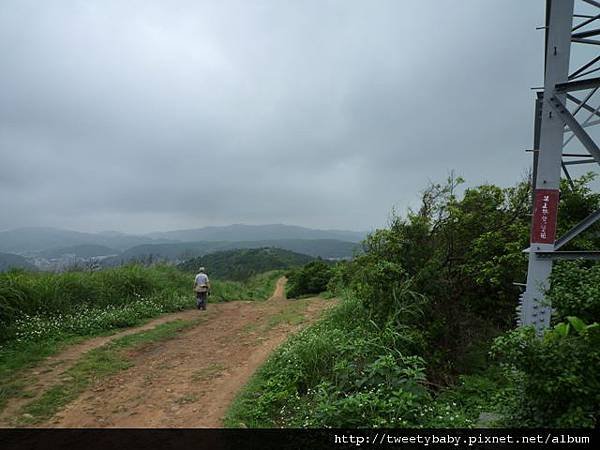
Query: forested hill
[(243, 263), (324, 248)]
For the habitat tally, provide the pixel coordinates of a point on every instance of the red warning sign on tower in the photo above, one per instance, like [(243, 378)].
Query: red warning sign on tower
[(545, 210)]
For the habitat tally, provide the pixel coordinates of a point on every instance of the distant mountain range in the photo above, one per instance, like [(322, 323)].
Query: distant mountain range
[(240, 232), (53, 247), (33, 240), (30, 241)]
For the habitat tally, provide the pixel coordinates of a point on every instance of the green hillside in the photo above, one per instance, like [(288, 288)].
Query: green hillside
[(243, 263), (36, 239)]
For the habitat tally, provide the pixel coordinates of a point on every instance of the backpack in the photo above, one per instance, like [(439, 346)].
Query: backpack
[(201, 288)]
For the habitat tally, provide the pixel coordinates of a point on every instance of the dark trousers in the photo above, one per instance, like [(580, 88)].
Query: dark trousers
[(201, 300)]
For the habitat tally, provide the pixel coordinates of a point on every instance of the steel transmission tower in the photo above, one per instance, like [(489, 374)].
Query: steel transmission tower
[(563, 113)]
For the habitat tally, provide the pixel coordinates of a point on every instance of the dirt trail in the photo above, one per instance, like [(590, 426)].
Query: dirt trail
[(187, 381), (50, 371)]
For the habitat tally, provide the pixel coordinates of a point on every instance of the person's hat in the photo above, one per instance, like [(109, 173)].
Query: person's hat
[(201, 269)]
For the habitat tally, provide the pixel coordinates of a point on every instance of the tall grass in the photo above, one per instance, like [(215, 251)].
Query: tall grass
[(25, 294), (41, 305), (346, 371)]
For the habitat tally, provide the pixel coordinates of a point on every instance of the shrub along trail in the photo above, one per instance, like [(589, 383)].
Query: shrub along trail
[(188, 380)]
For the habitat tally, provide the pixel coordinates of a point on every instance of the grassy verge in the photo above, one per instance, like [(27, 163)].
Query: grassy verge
[(275, 396), (96, 364), (34, 293), (345, 371), (259, 287), (478, 396), (35, 306)]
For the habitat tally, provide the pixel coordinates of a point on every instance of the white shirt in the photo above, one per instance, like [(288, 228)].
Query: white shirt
[(201, 279)]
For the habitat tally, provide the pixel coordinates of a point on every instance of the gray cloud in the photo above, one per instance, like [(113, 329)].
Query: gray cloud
[(150, 115)]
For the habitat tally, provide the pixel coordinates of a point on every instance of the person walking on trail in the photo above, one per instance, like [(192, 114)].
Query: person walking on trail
[(202, 288)]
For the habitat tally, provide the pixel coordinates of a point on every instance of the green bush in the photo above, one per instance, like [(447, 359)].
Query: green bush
[(555, 379), (575, 290), (312, 278), (454, 260)]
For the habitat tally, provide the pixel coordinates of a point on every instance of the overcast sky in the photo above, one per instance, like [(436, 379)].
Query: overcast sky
[(153, 115)]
